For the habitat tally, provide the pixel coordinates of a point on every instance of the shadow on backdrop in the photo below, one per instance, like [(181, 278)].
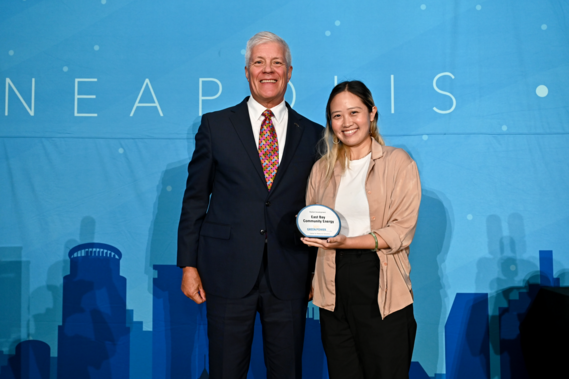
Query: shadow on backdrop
[(428, 255), (162, 243)]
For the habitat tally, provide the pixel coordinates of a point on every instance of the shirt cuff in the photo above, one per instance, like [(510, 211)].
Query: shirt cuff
[(390, 237)]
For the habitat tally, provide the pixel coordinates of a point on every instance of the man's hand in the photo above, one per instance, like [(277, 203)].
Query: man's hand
[(192, 285)]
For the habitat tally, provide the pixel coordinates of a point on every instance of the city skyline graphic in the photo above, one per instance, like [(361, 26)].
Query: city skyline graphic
[(98, 337), (102, 102)]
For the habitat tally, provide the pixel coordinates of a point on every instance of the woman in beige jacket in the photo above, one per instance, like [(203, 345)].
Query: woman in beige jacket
[(361, 281)]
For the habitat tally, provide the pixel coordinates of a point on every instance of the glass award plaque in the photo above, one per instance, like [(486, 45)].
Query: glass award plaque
[(318, 221)]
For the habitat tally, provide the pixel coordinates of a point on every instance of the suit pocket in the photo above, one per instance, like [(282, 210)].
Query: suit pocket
[(215, 230)]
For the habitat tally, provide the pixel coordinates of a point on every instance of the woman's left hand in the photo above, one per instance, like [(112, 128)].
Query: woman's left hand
[(337, 242)]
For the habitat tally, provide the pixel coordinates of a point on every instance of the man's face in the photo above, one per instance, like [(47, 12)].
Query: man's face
[(268, 73)]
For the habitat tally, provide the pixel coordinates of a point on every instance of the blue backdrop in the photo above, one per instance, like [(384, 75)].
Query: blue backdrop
[(103, 98)]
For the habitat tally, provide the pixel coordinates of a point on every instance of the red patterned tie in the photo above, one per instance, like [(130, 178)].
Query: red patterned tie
[(269, 148)]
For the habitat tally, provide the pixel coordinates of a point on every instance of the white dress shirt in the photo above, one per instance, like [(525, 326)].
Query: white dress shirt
[(280, 121)]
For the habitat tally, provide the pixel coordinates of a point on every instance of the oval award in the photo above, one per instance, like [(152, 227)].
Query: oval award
[(318, 221)]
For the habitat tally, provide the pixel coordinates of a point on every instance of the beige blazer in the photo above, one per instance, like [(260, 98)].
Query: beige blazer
[(394, 193)]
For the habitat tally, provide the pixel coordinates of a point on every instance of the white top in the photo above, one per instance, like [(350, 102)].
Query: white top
[(351, 202), (280, 121)]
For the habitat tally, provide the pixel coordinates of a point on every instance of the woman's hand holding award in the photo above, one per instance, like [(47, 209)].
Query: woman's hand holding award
[(318, 221)]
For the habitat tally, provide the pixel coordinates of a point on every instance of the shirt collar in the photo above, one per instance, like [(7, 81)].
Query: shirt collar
[(376, 149), (257, 109)]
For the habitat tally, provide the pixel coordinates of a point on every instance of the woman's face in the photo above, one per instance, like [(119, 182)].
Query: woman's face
[(350, 119)]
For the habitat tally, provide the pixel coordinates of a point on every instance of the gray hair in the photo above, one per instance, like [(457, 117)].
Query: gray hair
[(264, 37)]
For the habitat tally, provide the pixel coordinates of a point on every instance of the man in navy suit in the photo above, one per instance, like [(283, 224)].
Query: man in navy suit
[(237, 239)]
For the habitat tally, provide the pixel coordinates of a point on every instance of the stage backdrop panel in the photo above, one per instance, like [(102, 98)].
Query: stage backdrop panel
[(102, 99)]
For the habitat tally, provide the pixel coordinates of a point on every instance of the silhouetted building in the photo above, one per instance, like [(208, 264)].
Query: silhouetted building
[(200, 354), (14, 288), (467, 337), (204, 374), (140, 348), (179, 328), (544, 333), (546, 277), (416, 371), (5, 369), (512, 364), (313, 361), (257, 369), (31, 361), (93, 340)]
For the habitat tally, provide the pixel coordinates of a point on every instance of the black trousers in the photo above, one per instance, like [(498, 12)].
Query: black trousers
[(357, 342), (231, 324)]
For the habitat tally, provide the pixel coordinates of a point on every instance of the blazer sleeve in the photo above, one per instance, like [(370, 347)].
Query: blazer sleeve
[(196, 196), (403, 210)]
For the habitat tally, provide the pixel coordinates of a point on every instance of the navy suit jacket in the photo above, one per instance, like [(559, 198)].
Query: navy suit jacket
[(227, 208)]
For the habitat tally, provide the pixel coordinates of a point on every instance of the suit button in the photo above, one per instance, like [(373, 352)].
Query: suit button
[(268, 203), (263, 231)]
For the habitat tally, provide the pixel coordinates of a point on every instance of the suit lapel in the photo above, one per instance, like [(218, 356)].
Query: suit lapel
[(242, 124), (294, 132)]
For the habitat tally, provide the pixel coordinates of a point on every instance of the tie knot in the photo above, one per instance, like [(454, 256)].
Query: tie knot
[(268, 113)]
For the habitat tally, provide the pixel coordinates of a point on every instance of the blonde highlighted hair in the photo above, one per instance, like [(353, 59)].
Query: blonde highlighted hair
[(331, 148)]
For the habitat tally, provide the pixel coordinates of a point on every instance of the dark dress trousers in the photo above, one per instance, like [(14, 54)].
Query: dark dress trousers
[(228, 213)]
